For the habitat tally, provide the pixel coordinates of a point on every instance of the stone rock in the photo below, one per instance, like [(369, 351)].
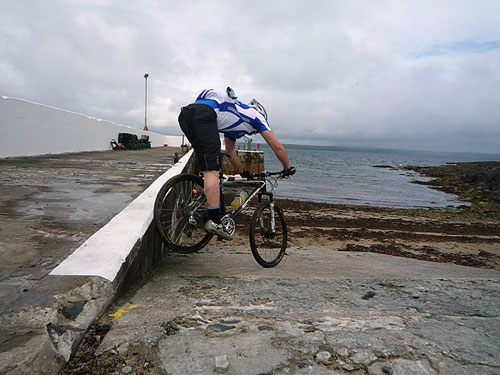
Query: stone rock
[(407, 367), (343, 352), (309, 343), (231, 321), (380, 368), (265, 328), (63, 340), (72, 311), (191, 324), (127, 370), (323, 356), (380, 354), (220, 327), (363, 357), (221, 363), (369, 295), (348, 367)]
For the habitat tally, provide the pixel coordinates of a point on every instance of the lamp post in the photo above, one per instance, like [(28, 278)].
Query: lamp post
[(146, 102)]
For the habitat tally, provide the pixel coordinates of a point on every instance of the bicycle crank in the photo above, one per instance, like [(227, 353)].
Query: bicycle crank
[(228, 224)]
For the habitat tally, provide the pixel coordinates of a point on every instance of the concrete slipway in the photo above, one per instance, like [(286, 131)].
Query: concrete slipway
[(51, 205), (319, 312)]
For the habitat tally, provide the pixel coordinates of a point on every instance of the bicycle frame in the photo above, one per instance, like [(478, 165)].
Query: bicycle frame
[(181, 214), (240, 185), (259, 190)]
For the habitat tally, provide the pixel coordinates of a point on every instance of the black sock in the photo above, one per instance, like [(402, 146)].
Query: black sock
[(214, 214)]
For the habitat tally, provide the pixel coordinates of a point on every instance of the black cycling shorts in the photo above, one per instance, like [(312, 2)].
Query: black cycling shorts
[(199, 124)]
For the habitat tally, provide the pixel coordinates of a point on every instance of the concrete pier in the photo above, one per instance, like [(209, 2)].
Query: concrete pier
[(50, 206), (252, 161)]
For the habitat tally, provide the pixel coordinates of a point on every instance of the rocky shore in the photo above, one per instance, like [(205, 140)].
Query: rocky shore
[(477, 183), (448, 236), (467, 235)]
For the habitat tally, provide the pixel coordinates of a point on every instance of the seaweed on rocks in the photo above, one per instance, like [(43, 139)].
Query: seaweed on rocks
[(475, 182)]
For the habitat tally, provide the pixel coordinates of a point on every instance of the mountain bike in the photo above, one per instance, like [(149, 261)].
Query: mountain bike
[(180, 213)]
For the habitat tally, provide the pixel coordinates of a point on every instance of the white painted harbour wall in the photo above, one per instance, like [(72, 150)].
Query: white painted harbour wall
[(108, 250), (29, 128)]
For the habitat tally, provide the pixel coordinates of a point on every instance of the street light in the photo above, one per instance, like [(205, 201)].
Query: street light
[(146, 102)]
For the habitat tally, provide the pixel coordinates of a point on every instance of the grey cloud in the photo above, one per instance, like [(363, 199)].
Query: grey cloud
[(329, 72)]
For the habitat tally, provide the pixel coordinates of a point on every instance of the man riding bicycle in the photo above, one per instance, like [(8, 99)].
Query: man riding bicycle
[(219, 111)]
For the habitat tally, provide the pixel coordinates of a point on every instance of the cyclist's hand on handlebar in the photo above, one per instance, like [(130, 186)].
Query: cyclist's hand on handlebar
[(287, 172), (246, 174)]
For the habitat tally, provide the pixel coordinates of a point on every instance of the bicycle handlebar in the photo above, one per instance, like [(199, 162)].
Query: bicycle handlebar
[(266, 174), (262, 175)]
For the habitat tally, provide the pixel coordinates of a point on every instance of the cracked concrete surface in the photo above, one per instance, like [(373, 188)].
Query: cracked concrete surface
[(49, 205), (349, 317)]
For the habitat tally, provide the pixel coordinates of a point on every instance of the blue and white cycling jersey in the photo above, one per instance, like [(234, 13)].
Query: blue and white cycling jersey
[(234, 118)]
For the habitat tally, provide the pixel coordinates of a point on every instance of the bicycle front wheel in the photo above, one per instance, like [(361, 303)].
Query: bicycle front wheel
[(179, 214), (268, 241)]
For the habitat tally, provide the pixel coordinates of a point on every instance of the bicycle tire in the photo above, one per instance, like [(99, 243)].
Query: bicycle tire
[(173, 206), (268, 248)]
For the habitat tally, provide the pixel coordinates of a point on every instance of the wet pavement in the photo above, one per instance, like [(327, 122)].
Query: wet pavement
[(49, 205)]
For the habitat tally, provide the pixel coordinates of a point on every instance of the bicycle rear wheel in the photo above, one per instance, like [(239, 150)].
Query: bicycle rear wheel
[(179, 213), (268, 244)]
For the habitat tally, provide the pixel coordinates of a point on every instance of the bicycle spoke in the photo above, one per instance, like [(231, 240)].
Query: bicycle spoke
[(181, 232), (177, 213), (268, 242)]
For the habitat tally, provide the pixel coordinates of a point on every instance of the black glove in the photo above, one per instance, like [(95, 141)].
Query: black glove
[(246, 174), (288, 172)]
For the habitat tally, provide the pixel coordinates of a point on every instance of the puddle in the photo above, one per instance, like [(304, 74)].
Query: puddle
[(80, 204)]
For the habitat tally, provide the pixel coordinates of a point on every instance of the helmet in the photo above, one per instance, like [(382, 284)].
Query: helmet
[(230, 93), (258, 107)]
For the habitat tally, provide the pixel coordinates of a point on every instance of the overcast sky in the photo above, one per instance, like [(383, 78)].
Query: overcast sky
[(412, 74)]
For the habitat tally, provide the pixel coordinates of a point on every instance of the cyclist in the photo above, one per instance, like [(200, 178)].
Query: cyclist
[(219, 111)]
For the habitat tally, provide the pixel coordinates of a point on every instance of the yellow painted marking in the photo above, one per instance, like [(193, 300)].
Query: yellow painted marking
[(120, 312)]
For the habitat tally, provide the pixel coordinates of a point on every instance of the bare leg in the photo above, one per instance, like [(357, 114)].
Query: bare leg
[(212, 191)]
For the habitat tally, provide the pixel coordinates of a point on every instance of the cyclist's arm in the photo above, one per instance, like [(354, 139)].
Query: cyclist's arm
[(234, 159), (277, 147)]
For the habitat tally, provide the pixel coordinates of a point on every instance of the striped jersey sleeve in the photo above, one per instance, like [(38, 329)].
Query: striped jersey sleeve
[(234, 118)]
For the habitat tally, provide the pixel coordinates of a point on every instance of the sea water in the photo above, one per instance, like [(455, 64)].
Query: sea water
[(349, 175)]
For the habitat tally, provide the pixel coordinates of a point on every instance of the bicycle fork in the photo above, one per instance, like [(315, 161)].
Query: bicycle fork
[(273, 221), (271, 209)]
